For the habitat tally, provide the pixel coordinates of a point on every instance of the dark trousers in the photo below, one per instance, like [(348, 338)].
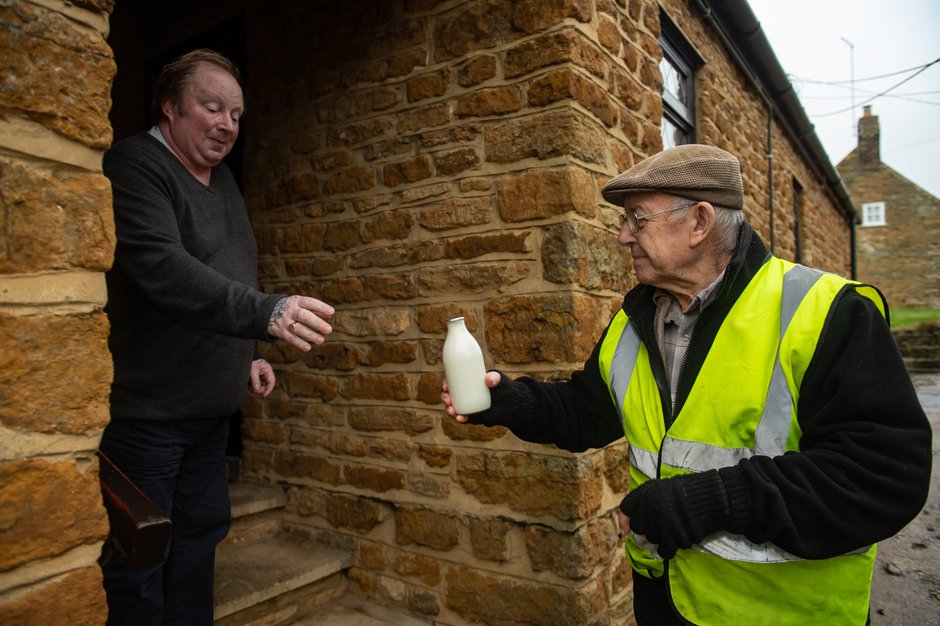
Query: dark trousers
[(180, 465), (651, 605)]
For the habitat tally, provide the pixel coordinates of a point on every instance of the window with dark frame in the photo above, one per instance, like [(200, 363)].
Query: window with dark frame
[(677, 68)]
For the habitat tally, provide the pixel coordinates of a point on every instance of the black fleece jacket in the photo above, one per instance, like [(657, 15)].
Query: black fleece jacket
[(863, 468)]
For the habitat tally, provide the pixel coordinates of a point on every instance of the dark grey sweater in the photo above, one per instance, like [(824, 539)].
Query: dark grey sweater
[(182, 297)]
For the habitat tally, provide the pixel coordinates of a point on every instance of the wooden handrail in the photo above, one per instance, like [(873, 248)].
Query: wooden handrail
[(139, 529)]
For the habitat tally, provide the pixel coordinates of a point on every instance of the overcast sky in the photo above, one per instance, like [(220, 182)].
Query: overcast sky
[(811, 39)]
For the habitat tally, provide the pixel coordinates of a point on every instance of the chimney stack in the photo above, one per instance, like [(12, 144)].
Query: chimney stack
[(869, 140)]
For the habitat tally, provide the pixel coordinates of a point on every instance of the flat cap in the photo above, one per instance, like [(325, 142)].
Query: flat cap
[(693, 171)]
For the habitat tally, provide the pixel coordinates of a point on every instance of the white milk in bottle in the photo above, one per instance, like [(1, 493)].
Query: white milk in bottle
[(464, 369)]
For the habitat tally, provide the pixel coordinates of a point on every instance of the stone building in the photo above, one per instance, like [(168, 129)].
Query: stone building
[(899, 236), (407, 161)]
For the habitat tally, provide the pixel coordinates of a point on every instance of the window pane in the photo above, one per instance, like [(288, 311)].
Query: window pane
[(672, 136), (673, 80)]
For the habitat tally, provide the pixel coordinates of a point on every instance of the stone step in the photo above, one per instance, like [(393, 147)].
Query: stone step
[(352, 611), (275, 580), (256, 512)]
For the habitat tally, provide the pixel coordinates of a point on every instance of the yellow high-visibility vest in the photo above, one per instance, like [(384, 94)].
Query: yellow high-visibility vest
[(743, 403)]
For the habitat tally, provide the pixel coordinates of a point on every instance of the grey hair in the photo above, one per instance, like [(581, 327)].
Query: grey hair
[(727, 222)]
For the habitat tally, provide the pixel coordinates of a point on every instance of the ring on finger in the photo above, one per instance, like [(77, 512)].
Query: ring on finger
[(290, 327)]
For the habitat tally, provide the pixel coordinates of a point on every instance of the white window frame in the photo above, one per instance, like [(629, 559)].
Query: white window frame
[(873, 214)]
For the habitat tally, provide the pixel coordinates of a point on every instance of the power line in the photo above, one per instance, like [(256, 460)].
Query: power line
[(861, 80), (883, 93)]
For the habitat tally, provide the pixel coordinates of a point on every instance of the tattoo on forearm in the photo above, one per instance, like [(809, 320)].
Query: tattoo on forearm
[(278, 311)]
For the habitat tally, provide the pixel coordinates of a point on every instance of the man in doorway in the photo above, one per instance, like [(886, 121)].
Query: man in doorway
[(185, 316)]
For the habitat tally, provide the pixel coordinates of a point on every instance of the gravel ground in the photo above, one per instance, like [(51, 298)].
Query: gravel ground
[(906, 587)]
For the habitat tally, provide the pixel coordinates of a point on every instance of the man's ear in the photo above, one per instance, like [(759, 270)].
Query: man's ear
[(703, 222), (169, 109)]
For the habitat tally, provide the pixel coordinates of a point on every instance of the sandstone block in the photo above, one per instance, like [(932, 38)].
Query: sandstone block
[(391, 419), (377, 387), (265, 432), (391, 449), (342, 291), (377, 321), (371, 478), (532, 16), (435, 456), (494, 101), (430, 85), (574, 555), (567, 46), (350, 180), (393, 256), (429, 486), (490, 538), (567, 83), (56, 373), (54, 221), (400, 352), (76, 599), (555, 329), (456, 162), (581, 254), (389, 287), (537, 194), (433, 318), (299, 385), (49, 508), (479, 69), (295, 464), (475, 26), (426, 528), (406, 172), (424, 117), (479, 596), (565, 488), (478, 245), (417, 566), (471, 278), (358, 514), (457, 212), (342, 356), (388, 225), (470, 432), (545, 136), (56, 74)]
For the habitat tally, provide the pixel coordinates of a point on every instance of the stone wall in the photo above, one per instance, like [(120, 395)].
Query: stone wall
[(58, 239), (421, 160), (406, 161)]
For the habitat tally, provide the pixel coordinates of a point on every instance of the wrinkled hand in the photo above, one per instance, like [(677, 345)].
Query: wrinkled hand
[(492, 379), (301, 321), (676, 513), (261, 378)]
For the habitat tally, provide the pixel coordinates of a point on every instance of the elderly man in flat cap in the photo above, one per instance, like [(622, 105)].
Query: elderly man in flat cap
[(775, 435)]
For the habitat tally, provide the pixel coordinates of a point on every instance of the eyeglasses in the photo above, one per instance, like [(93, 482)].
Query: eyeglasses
[(631, 219)]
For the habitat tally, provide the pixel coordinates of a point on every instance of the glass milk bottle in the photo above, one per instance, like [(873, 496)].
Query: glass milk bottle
[(464, 369)]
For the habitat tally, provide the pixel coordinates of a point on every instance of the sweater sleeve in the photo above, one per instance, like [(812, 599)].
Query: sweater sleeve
[(574, 415), (863, 468), (199, 269)]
